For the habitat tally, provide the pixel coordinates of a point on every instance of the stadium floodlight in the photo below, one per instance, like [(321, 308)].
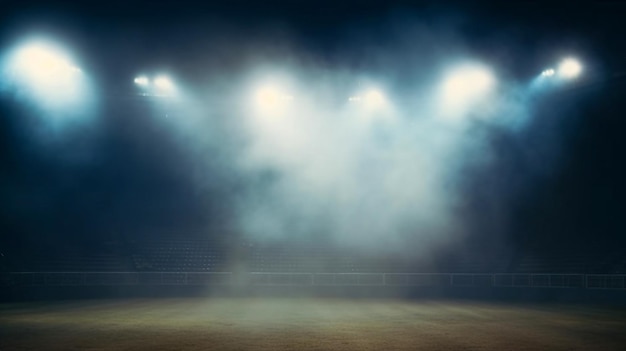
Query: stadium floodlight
[(142, 81), (45, 71), (464, 86), (272, 94), (372, 100), (43, 65), (548, 72), (163, 83), (267, 97), (570, 68), (271, 99), (375, 99), (371, 105)]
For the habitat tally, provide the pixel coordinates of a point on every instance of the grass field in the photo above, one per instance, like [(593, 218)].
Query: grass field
[(306, 324)]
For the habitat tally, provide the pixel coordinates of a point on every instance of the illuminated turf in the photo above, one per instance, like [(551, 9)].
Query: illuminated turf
[(306, 324)]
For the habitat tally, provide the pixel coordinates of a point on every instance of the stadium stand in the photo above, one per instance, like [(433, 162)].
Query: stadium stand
[(595, 258), (198, 255), (108, 257), (178, 256)]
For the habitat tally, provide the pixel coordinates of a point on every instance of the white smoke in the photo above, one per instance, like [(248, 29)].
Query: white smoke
[(361, 175), (323, 152)]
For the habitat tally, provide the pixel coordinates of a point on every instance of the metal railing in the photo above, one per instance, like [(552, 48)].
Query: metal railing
[(499, 280)]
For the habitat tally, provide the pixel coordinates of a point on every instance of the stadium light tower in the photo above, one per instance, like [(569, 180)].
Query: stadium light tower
[(375, 99), (464, 86), (47, 73), (372, 100), (371, 105), (269, 99), (159, 86), (570, 68), (142, 81), (567, 70), (163, 83)]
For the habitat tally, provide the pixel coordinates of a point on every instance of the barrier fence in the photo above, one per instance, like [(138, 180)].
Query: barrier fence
[(588, 281)]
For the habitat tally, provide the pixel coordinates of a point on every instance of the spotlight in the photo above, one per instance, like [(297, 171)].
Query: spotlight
[(45, 71), (164, 83), (372, 100), (42, 64), (269, 98), (464, 86), (570, 68), (375, 99), (548, 72), (142, 81)]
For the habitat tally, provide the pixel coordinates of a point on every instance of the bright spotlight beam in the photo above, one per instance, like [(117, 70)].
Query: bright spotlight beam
[(375, 98), (465, 86), (142, 81), (570, 68), (47, 73), (42, 63), (372, 100), (271, 99), (164, 83)]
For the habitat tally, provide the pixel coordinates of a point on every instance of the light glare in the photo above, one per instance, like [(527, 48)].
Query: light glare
[(42, 64), (372, 100), (465, 86), (47, 73), (163, 83), (269, 98), (142, 81), (375, 98), (570, 68)]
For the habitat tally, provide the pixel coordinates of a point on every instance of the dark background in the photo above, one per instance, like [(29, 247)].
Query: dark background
[(137, 183)]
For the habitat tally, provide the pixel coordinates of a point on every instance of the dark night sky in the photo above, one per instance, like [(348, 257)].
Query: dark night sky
[(137, 179)]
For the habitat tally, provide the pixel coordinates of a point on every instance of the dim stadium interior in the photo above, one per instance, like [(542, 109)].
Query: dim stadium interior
[(312, 175)]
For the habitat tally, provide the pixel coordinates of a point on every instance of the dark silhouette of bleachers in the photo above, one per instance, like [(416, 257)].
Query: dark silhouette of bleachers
[(201, 255), (178, 256)]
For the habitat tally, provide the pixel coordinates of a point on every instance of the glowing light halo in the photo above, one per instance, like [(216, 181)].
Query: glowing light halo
[(164, 83), (142, 81), (372, 99), (42, 62), (464, 86), (159, 86), (271, 98), (47, 74), (375, 98), (570, 68)]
